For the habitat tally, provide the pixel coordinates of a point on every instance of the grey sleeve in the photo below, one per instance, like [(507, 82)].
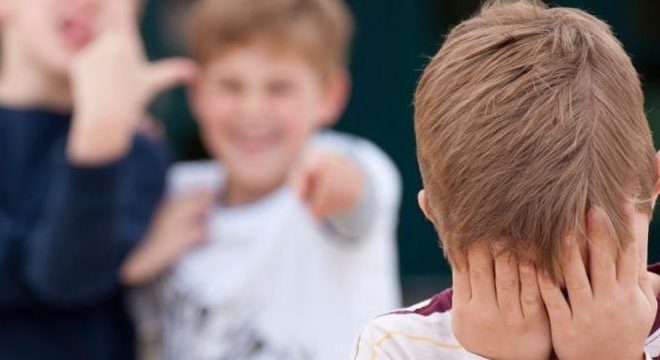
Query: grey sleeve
[(382, 185), (356, 223)]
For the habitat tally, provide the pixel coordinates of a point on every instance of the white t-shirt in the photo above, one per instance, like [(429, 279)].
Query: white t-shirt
[(272, 282)]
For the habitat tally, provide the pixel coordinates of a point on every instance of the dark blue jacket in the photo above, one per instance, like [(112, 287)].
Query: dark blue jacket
[(64, 231)]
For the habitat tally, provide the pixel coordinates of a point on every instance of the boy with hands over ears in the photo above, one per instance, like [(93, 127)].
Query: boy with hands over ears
[(540, 177)]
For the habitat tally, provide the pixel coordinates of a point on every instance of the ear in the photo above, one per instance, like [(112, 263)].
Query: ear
[(424, 205), (337, 93)]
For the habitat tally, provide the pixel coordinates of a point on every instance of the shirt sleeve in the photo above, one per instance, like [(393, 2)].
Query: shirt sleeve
[(382, 192), (364, 350), (378, 342), (11, 288), (93, 217)]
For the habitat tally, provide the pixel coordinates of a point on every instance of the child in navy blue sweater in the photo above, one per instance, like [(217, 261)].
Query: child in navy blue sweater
[(78, 188)]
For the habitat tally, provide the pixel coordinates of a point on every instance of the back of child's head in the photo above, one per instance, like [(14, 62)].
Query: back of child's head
[(527, 117), (320, 30)]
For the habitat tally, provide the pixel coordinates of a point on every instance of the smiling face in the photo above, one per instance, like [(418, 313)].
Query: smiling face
[(51, 32), (257, 108)]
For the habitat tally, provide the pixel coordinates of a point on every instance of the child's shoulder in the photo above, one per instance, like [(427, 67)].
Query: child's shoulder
[(419, 332), (349, 144), (190, 175), (429, 313)]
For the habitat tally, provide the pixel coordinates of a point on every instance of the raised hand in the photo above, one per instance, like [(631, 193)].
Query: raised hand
[(179, 225), (112, 85), (329, 183), (497, 311), (608, 313)]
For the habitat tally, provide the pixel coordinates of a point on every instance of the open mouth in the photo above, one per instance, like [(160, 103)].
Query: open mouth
[(253, 144), (75, 34)]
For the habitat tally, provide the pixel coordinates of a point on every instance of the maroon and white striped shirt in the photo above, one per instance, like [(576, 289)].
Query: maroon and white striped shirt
[(423, 331)]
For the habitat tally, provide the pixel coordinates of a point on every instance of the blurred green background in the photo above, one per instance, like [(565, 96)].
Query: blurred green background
[(393, 42)]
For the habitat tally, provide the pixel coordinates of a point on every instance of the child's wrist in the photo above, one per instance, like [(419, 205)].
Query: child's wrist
[(91, 144)]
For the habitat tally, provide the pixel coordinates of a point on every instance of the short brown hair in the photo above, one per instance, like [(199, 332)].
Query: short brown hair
[(527, 117), (320, 29)]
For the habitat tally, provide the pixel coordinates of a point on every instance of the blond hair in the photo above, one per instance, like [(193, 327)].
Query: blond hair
[(321, 30), (527, 117)]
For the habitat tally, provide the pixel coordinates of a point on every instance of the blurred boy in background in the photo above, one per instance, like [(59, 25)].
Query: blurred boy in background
[(300, 244), (77, 191)]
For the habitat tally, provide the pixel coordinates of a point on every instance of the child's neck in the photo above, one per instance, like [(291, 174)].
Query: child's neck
[(27, 83)]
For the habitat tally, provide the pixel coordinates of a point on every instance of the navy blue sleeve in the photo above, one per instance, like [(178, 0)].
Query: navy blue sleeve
[(11, 289), (93, 218)]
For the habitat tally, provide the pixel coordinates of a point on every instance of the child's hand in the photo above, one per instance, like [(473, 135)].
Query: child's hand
[(330, 183), (179, 226), (497, 311), (608, 313), (112, 86)]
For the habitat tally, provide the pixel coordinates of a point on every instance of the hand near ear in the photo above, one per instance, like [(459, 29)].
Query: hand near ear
[(608, 314), (497, 311)]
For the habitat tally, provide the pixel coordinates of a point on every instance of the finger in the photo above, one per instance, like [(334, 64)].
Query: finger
[(193, 204), (297, 183), (321, 204), (204, 196), (646, 285), (195, 195), (482, 277), (187, 235), (166, 74), (201, 210), (628, 270), (460, 284), (556, 305), (575, 276), (303, 180), (602, 261), (121, 15), (507, 283), (530, 295), (197, 233)]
